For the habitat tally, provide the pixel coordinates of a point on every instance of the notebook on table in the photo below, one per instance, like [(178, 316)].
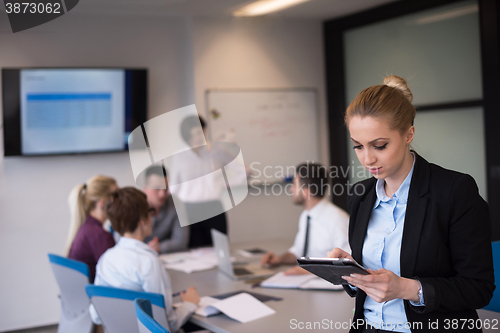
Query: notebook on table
[(302, 281)]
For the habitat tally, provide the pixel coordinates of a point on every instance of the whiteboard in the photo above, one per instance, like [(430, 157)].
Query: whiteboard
[(276, 129)]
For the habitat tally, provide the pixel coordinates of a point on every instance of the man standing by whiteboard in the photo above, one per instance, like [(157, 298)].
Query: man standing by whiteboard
[(322, 225), (201, 161)]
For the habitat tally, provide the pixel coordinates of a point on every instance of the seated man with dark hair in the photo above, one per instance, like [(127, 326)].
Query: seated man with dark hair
[(133, 265), (321, 225), (168, 235)]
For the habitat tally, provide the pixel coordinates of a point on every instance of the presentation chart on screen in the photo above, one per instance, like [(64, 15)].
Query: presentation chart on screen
[(72, 110)]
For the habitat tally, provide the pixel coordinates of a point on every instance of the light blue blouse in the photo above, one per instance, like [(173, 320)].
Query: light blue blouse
[(382, 249)]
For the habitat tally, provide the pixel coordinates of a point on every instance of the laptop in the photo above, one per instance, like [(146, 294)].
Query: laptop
[(238, 272)]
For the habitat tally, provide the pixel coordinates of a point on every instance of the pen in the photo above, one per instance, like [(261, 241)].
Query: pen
[(178, 293)]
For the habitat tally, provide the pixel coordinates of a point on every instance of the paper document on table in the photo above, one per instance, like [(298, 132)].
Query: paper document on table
[(190, 261), (176, 257), (209, 258), (204, 308), (242, 307), (203, 251), (190, 265), (280, 280), (319, 283)]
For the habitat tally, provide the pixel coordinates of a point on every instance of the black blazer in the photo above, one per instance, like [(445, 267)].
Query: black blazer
[(446, 245)]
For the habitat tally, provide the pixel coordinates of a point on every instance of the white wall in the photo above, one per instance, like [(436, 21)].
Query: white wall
[(185, 57), (261, 53)]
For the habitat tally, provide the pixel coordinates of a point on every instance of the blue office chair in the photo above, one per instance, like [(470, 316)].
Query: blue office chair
[(495, 301), (72, 276), (145, 319), (116, 309)]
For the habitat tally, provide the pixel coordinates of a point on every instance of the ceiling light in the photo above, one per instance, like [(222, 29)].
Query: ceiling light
[(263, 7), (449, 14)]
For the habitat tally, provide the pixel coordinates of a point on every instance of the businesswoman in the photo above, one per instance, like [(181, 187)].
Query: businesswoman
[(87, 240), (422, 231)]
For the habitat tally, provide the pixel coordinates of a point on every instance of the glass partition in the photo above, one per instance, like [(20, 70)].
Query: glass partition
[(438, 52)]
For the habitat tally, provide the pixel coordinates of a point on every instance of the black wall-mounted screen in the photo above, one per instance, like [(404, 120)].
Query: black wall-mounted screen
[(71, 110)]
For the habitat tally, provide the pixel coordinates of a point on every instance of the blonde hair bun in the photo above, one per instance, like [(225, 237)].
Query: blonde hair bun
[(399, 84)]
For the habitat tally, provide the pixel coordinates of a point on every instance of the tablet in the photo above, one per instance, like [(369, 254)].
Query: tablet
[(331, 269)]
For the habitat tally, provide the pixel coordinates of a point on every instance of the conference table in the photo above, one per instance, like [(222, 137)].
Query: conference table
[(308, 310)]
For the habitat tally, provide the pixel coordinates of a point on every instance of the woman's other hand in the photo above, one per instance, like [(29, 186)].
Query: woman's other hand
[(383, 285), (338, 253)]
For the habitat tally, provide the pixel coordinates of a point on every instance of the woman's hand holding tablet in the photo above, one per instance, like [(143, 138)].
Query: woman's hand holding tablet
[(381, 285), (333, 269), (338, 253)]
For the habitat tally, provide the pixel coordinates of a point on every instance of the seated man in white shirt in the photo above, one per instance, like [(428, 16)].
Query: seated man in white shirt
[(132, 264), (321, 224), (168, 235)]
